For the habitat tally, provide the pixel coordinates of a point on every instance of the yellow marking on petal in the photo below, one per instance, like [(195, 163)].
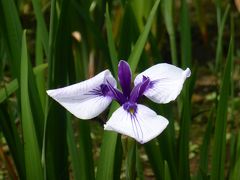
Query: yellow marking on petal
[(131, 110)]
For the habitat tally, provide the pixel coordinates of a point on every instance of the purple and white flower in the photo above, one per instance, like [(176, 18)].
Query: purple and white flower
[(160, 83)]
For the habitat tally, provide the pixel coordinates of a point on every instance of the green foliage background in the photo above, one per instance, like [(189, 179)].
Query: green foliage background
[(46, 44)]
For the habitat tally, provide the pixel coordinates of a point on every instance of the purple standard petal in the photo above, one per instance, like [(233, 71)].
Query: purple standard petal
[(116, 94), (139, 89), (124, 77)]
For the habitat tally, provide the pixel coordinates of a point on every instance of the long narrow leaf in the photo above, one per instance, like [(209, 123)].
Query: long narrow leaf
[(186, 46), (74, 153), (98, 38), (31, 148), (111, 45), (12, 86), (131, 159), (167, 140), (184, 168), (55, 140), (131, 32), (220, 36), (8, 90), (13, 37), (106, 163), (139, 46), (168, 17), (9, 129), (167, 175), (41, 25), (155, 157), (203, 163), (219, 147), (235, 174), (13, 31), (40, 78), (139, 166)]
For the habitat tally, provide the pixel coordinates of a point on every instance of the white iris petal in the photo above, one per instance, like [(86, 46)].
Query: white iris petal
[(168, 82), (79, 98), (143, 126)]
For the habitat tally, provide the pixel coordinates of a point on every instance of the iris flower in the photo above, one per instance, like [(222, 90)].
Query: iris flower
[(160, 83)]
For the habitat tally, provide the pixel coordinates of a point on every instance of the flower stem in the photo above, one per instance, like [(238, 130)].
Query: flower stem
[(131, 159)]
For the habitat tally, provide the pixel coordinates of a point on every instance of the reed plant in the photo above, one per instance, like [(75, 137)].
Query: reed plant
[(48, 44)]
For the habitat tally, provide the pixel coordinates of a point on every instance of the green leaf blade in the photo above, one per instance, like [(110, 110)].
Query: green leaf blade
[(139, 46), (111, 46), (31, 148), (219, 147)]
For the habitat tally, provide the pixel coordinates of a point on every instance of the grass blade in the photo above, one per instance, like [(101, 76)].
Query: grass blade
[(203, 164), (167, 9), (31, 148), (139, 46), (8, 90), (40, 79), (131, 159), (141, 11), (132, 32), (10, 132), (75, 159), (167, 175), (235, 174), (41, 25), (185, 32), (168, 141), (13, 37), (107, 165), (219, 147), (201, 18), (219, 12), (155, 157), (139, 166), (184, 168), (86, 157), (83, 12), (12, 86), (219, 39), (55, 140), (111, 46), (107, 162), (13, 31)]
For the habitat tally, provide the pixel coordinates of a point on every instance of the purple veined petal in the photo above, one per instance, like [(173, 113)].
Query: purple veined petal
[(116, 94), (139, 89), (166, 82), (143, 124), (124, 77), (86, 99)]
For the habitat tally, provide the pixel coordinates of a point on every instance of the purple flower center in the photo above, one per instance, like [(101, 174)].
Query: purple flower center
[(130, 107), (127, 98)]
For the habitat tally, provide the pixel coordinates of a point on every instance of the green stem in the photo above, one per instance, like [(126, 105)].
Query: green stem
[(131, 159)]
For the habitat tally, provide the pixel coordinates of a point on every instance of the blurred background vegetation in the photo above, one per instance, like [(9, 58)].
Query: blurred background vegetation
[(47, 44)]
